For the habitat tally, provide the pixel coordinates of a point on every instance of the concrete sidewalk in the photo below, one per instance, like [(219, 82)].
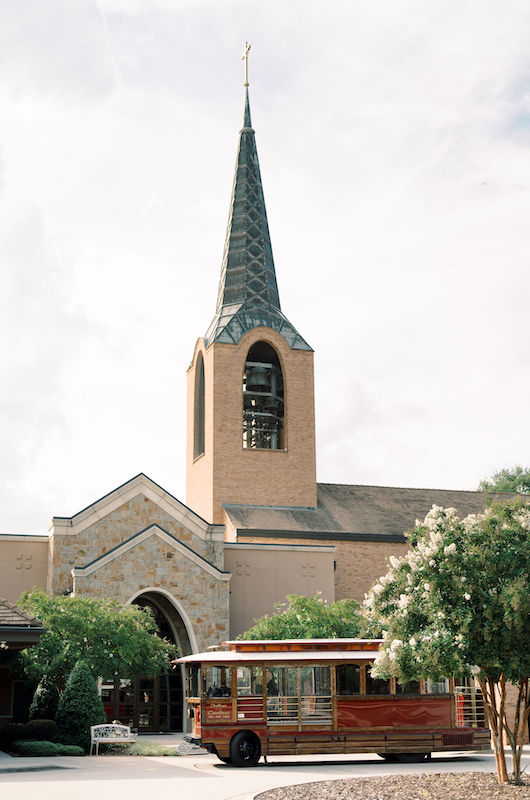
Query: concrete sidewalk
[(9, 764)]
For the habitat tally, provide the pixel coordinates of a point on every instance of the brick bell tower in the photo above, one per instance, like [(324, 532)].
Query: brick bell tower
[(250, 393)]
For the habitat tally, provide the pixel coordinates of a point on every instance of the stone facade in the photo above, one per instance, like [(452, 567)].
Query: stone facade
[(140, 539), (199, 595), (106, 533)]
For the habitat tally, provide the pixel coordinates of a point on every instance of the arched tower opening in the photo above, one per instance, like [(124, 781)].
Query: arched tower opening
[(263, 399), (198, 409)]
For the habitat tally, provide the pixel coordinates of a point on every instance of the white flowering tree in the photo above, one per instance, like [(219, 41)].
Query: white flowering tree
[(459, 603)]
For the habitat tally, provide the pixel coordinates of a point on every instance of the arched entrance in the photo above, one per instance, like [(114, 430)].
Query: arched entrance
[(154, 702)]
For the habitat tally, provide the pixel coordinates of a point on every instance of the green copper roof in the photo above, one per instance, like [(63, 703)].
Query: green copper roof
[(248, 292)]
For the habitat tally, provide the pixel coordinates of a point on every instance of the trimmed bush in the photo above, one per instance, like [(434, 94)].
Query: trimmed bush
[(45, 701), (43, 748), (36, 748), (80, 707), (71, 750)]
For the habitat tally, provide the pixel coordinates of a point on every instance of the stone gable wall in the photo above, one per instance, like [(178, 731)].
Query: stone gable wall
[(154, 564), (116, 527)]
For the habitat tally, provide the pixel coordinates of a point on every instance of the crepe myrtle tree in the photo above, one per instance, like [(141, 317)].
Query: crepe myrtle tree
[(458, 603), (301, 617), (114, 641)]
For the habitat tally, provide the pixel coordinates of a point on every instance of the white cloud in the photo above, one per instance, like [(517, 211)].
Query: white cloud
[(393, 141), (58, 48)]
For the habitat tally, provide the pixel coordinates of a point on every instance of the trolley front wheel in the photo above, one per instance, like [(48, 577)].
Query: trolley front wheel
[(245, 749)]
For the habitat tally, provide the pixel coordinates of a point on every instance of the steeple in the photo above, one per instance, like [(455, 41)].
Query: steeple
[(251, 409), (248, 293)]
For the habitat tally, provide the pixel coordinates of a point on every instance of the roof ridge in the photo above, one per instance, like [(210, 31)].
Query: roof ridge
[(409, 488)]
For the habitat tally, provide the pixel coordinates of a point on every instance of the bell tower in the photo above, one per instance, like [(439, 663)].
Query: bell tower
[(250, 408)]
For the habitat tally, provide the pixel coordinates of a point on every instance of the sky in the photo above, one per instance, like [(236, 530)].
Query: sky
[(394, 143)]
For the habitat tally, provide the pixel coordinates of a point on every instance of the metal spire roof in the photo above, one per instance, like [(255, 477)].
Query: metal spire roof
[(248, 292)]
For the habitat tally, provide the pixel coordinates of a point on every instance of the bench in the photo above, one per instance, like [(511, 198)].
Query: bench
[(110, 733)]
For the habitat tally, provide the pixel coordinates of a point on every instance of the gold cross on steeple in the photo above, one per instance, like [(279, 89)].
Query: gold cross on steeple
[(245, 59)]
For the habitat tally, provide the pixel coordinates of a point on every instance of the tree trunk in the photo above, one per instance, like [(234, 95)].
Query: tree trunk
[(522, 712), (495, 717)]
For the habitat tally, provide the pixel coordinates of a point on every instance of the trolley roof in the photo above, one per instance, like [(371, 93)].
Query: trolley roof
[(276, 645), (232, 657), (287, 650)]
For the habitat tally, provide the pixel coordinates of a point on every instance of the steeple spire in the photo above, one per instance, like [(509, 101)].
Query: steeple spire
[(248, 293)]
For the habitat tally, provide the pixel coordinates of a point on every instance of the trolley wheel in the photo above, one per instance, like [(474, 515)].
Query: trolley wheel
[(411, 758), (245, 749), (224, 759), (388, 756)]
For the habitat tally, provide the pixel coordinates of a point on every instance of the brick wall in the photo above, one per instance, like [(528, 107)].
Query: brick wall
[(229, 473)]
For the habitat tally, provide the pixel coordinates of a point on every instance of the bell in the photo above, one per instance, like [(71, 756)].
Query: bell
[(270, 403), (257, 379)]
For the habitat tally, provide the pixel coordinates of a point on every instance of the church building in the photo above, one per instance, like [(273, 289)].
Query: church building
[(255, 524)]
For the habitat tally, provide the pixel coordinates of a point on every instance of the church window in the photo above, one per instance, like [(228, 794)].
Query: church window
[(263, 401), (198, 416)]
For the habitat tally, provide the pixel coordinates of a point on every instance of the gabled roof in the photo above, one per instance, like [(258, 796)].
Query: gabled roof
[(351, 512), (18, 629), (13, 617), (139, 538), (248, 293), (140, 484)]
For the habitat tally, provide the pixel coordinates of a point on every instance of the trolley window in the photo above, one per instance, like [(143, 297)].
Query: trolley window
[(437, 687), (348, 679), (408, 687), (193, 680), (376, 685), (250, 681), (217, 681)]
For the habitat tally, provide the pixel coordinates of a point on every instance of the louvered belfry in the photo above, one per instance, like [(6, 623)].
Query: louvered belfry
[(248, 293)]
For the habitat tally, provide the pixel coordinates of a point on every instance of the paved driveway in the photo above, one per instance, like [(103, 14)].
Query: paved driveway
[(196, 777)]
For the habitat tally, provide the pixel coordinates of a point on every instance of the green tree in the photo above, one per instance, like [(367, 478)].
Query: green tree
[(45, 700), (80, 707), (458, 603), (115, 641), (308, 618), (516, 480)]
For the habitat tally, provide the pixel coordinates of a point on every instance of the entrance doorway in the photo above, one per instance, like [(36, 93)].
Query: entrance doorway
[(153, 703)]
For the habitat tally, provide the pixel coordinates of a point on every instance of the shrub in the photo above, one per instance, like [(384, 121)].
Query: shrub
[(45, 701), (80, 707), (43, 748), (36, 748), (41, 729), (70, 750)]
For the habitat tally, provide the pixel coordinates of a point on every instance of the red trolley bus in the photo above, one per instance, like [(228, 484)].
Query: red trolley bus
[(294, 697)]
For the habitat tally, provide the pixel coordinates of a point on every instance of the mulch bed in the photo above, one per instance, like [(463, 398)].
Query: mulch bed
[(447, 786)]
